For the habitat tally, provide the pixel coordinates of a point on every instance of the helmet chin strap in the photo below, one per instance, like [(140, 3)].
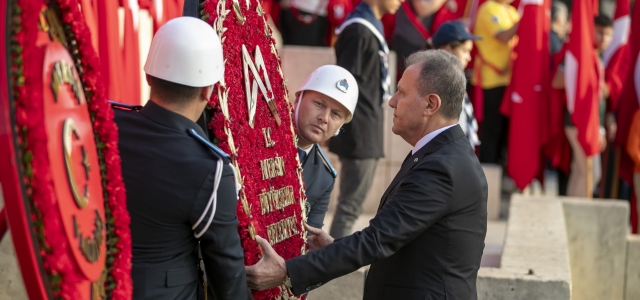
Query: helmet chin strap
[(295, 117), (337, 131)]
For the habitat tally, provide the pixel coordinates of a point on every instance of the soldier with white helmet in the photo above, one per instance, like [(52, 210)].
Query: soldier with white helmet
[(325, 102), (180, 188)]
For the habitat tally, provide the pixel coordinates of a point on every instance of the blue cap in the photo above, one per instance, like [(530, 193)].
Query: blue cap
[(451, 31)]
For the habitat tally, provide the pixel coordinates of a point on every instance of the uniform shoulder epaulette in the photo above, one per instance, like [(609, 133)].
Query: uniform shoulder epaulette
[(208, 144), (326, 162), (123, 106)]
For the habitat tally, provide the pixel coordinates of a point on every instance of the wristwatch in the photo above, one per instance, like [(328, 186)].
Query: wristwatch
[(287, 281)]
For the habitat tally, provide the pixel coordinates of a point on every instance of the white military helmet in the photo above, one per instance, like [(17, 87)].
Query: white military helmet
[(335, 82), (186, 51)]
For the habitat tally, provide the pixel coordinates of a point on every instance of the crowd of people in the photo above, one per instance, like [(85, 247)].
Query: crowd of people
[(489, 59)]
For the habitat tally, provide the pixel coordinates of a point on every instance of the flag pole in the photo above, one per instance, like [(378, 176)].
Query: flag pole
[(616, 174), (605, 166), (589, 177), (3, 223)]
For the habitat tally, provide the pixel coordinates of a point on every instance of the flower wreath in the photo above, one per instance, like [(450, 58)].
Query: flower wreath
[(26, 55), (252, 121)]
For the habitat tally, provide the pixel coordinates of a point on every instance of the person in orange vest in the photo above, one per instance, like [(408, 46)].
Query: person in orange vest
[(497, 23)]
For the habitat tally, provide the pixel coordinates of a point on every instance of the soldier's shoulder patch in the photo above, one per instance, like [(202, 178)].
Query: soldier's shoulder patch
[(123, 106), (208, 144)]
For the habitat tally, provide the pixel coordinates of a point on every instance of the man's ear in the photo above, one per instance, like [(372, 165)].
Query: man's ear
[(148, 78), (433, 104), (206, 92)]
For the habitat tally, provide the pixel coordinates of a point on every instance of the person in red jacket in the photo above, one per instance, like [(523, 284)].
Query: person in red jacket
[(633, 149)]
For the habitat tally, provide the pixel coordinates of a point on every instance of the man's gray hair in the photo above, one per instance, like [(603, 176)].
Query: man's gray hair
[(441, 73), (558, 8)]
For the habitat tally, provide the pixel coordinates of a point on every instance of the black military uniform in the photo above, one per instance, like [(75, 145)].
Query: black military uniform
[(318, 176), (170, 172)]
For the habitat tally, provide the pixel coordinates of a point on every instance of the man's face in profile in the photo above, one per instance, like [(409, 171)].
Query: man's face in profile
[(408, 104)]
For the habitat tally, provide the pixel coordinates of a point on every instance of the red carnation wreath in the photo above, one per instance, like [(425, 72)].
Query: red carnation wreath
[(29, 42), (252, 121)]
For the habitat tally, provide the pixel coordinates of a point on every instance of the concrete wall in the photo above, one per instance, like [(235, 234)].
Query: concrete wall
[(535, 257), (565, 248), (597, 236), (499, 284), (11, 285), (632, 274), (299, 61), (493, 173)]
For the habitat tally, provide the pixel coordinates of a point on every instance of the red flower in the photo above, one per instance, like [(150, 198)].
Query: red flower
[(55, 250), (250, 141)]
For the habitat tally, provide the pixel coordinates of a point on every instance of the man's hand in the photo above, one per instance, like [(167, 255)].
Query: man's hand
[(269, 272), (319, 238)]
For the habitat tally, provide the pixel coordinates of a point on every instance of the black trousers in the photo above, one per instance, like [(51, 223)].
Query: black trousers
[(494, 127)]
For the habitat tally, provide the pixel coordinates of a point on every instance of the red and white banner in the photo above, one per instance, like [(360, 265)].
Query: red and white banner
[(523, 101), (630, 98), (615, 57), (582, 78)]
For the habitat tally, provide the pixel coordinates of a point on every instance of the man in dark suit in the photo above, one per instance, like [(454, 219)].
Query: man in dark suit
[(325, 102), (180, 188), (427, 238)]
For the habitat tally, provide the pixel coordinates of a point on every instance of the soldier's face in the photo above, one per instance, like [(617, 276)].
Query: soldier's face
[(319, 116)]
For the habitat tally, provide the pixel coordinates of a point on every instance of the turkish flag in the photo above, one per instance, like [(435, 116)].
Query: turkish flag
[(630, 98), (524, 99), (131, 53), (556, 147), (90, 18), (109, 48), (582, 81), (616, 56)]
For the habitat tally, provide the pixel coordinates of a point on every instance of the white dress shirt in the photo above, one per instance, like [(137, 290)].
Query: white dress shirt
[(427, 138)]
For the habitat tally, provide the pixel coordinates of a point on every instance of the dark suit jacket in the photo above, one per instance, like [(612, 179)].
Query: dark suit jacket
[(169, 177), (357, 51), (191, 8), (427, 238), (318, 180)]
